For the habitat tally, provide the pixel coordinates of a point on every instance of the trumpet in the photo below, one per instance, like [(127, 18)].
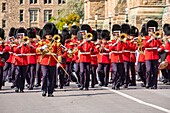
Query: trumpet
[(158, 34), (123, 37), (56, 38), (25, 40), (140, 45), (89, 36)]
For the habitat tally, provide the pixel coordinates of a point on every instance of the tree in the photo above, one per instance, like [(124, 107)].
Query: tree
[(69, 13)]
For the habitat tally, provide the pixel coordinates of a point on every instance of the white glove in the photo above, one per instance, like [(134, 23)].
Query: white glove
[(159, 49), (44, 47)]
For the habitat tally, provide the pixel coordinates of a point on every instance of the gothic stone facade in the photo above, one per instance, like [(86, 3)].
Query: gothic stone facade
[(114, 11)]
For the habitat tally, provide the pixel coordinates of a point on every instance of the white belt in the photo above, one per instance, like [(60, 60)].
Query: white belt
[(126, 51), (10, 52), (116, 52), (85, 53), (93, 55), (104, 53), (151, 48), (31, 54), (51, 54), (132, 52), (20, 54)]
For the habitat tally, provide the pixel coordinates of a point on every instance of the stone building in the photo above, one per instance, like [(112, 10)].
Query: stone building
[(27, 13), (135, 12)]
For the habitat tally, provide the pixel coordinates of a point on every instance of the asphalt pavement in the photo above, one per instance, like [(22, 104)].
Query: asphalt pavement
[(96, 100)]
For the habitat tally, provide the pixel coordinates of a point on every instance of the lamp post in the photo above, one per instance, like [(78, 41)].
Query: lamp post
[(127, 15), (81, 22), (96, 18), (110, 22)]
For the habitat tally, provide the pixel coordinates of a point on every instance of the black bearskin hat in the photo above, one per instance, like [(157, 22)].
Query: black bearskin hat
[(2, 33), (21, 30), (144, 31), (94, 33), (134, 31), (166, 29), (86, 27), (74, 29), (116, 27), (41, 34), (125, 28), (31, 33), (105, 34), (152, 23), (50, 29), (12, 32)]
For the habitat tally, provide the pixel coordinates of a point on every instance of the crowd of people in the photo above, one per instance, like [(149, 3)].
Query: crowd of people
[(48, 59)]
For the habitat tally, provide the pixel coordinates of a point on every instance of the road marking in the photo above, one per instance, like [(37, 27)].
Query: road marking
[(138, 100)]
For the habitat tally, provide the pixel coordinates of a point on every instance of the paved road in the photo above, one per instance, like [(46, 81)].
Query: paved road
[(97, 100)]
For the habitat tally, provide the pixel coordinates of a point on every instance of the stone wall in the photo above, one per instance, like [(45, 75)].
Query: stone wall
[(12, 14)]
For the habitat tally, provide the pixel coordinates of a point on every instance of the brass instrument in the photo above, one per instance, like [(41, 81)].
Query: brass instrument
[(158, 34), (1, 41), (56, 38), (25, 40), (89, 36), (140, 45), (123, 37)]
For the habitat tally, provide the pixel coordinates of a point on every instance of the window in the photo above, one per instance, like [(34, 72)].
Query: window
[(33, 15), (21, 1), (61, 1), (3, 23), (3, 7), (33, 1), (47, 1), (21, 15), (47, 15)]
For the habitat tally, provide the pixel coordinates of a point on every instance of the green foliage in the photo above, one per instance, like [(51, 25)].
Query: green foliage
[(69, 13)]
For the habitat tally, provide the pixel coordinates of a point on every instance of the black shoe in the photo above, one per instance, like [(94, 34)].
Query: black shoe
[(44, 94), (16, 90), (67, 84), (27, 85), (37, 85), (12, 86), (79, 85), (117, 88), (86, 88), (30, 88), (56, 86), (143, 85), (105, 85), (92, 86), (3, 83), (125, 86), (168, 83), (21, 91), (131, 84), (61, 87), (50, 95), (81, 88), (153, 87), (101, 84), (147, 87)]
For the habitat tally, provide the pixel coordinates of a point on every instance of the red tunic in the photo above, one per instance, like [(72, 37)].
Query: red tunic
[(21, 55), (85, 50), (116, 52), (94, 55), (32, 54), (151, 48), (103, 56)]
